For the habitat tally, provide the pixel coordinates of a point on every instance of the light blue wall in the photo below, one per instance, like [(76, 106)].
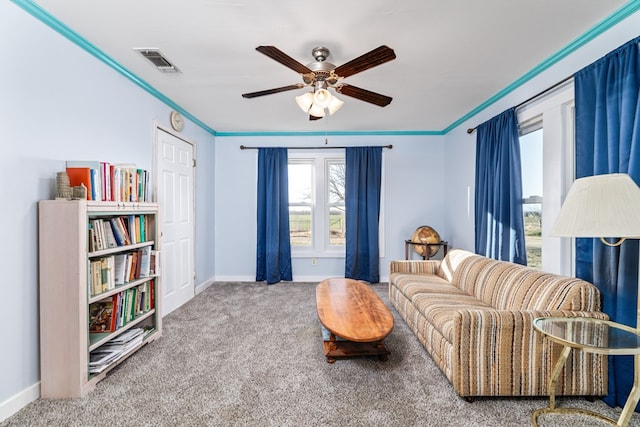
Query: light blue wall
[(57, 103), (414, 177)]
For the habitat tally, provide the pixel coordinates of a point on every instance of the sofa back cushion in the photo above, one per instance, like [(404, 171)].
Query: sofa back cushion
[(451, 262), (507, 286)]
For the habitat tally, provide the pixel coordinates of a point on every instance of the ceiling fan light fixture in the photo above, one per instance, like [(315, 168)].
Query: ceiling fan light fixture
[(316, 111), (322, 98), (305, 101), (334, 105), (321, 75)]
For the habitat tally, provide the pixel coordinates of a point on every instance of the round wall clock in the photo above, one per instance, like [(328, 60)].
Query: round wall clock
[(177, 122)]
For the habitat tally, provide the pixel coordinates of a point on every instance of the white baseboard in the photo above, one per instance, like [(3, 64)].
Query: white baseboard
[(203, 286), (235, 278), (319, 279), (19, 401), (316, 279)]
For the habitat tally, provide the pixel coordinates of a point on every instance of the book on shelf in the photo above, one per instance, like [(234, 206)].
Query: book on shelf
[(130, 220), (154, 263), (95, 277), (120, 262), (145, 261), (110, 238), (143, 227), (102, 316), (80, 176), (119, 231), (102, 275)]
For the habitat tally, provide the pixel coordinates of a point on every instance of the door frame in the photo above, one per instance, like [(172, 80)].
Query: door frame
[(154, 168)]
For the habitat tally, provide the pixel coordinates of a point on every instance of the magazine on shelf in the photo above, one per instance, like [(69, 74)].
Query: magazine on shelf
[(114, 349)]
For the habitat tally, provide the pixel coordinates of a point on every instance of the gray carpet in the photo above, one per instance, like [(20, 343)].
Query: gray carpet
[(248, 354)]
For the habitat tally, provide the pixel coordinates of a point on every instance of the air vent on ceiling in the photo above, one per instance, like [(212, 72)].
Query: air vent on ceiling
[(158, 59)]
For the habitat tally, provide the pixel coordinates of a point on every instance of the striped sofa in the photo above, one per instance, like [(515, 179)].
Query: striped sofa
[(474, 316)]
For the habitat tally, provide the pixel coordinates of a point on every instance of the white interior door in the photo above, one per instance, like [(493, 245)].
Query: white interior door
[(175, 190)]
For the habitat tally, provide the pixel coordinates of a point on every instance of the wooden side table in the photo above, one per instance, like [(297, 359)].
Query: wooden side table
[(427, 247)]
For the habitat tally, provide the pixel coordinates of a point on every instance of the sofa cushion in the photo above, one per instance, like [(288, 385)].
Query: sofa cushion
[(507, 286), (412, 284), (451, 262), (440, 309)]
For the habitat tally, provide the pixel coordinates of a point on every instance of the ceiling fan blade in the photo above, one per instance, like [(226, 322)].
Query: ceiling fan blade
[(311, 117), (272, 91), (371, 59), (364, 95), (278, 55)]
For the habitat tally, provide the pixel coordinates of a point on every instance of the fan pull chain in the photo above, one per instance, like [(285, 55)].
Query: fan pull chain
[(326, 131)]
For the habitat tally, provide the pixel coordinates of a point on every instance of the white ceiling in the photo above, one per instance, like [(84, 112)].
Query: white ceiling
[(452, 55)]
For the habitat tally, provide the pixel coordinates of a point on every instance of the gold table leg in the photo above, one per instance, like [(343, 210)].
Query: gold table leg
[(626, 414), (634, 395)]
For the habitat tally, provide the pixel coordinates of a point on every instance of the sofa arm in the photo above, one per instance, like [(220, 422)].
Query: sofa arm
[(499, 353), (415, 266)]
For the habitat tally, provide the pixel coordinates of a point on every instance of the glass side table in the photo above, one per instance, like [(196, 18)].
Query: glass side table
[(592, 336)]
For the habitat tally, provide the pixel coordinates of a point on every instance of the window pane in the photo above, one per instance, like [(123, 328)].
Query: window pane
[(336, 181), (531, 154), (300, 179), (335, 190), (300, 225), (336, 226)]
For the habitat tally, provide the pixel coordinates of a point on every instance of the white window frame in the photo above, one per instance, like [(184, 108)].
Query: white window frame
[(320, 247), (320, 244), (554, 113)]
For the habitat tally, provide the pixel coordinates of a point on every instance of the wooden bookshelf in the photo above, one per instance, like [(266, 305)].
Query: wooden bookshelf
[(66, 295)]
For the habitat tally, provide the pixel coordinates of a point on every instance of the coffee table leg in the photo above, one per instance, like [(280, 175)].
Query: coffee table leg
[(332, 347), (384, 356)]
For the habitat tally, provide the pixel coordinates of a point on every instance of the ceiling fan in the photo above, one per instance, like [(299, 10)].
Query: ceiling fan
[(322, 75)]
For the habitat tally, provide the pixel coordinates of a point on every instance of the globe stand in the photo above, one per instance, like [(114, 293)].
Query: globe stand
[(426, 242), (424, 246)]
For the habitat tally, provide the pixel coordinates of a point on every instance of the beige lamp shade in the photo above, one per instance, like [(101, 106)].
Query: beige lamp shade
[(305, 101), (316, 111), (600, 206), (334, 105), (321, 98)]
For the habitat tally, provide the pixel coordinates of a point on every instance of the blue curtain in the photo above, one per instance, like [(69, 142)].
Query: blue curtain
[(499, 224), (273, 255), (363, 171), (608, 141)]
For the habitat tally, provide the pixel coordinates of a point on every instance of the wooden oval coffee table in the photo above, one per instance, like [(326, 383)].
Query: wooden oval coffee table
[(351, 310)]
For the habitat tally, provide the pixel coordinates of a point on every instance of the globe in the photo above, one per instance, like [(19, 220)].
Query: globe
[(425, 234)]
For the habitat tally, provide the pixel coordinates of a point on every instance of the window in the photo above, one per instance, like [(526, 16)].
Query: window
[(532, 169), (316, 203), (549, 119)]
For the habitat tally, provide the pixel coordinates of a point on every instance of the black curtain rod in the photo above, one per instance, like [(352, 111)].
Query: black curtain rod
[(550, 88), (323, 147)]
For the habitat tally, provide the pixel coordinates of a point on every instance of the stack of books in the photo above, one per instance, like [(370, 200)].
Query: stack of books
[(107, 233), (110, 182)]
